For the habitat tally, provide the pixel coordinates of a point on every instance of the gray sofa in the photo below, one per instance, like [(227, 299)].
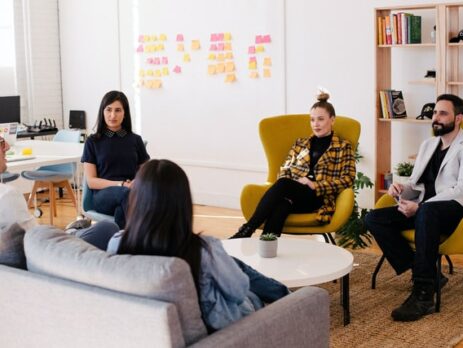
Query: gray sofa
[(74, 295)]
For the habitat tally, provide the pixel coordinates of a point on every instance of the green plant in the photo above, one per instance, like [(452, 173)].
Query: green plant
[(268, 236), (404, 168), (354, 233)]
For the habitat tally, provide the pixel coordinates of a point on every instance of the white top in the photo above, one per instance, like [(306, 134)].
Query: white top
[(299, 262), (13, 208)]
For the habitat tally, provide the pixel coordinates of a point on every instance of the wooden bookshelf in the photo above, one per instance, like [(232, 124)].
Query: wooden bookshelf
[(449, 76)]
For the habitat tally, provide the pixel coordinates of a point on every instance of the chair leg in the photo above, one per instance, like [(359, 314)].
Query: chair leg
[(450, 263), (30, 201), (326, 238), (331, 238), (438, 280), (51, 193), (68, 187), (375, 273)]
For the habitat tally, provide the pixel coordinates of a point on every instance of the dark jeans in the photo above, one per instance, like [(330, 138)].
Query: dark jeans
[(284, 197), (431, 221), (267, 289), (112, 200), (98, 234)]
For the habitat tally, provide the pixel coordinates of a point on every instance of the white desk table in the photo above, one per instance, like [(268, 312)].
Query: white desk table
[(299, 262)]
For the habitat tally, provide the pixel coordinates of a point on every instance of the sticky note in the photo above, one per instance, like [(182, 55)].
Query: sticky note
[(227, 46), (266, 39), (227, 37), (220, 46), (165, 71), (220, 37), (141, 73), (156, 61), (180, 47), (267, 73), (162, 37), (221, 57), (252, 49), (157, 73), (186, 58), (149, 72), (214, 37), (211, 56), (177, 69), (253, 75), (267, 61), (228, 55), (252, 59), (165, 61), (153, 38), (149, 60), (146, 38), (26, 151), (160, 47), (195, 45), (259, 39), (221, 68), (141, 83), (140, 48), (211, 69), (230, 78), (260, 49), (213, 47), (252, 66), (141, 38), (179, 37), (157, 83), (229, 67)]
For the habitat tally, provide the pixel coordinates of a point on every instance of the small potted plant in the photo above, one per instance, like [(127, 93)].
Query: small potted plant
[(268, 244), (403, 171)]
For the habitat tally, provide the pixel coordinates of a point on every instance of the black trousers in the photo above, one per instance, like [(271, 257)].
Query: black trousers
[(431, 221), (284, 197)]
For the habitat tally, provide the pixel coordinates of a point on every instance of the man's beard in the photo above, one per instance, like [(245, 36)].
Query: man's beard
[(444, 129)]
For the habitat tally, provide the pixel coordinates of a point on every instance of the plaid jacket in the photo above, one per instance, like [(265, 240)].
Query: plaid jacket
[(334, 171)]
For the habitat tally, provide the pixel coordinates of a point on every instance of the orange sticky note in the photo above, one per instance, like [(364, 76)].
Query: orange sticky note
[(157, 84), (186, 58), (252, 66), (229, 67), (165, 71), (195, 45), (221, 57), (211, 70), (227, 46), (228, 55), (220, 68), (267, 61), (141, 83), (162, 37), (253, 75), (180, 47), (211, 56), (230, 78), (267, 73), (227, 37)]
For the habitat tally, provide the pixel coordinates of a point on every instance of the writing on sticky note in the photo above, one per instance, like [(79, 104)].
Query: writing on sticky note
[(195, 45), (260, 49), (267, 73), (211, 56), (186, 58), (259, 39), (227, 46), (229, 67), (140, 48), (162, 37), (179, 37), (165, 61), (252, 49), (220, 68), (180, 47), (230, 78), (228, 55), (267, 61), (253, 74), (211, 69), (266, 39), (177, 69), (227, 37), (252, 65), (165, 71)]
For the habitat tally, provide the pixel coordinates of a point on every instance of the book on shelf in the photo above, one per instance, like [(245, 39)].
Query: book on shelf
[(392, 104), (399, 29), (415, 29)]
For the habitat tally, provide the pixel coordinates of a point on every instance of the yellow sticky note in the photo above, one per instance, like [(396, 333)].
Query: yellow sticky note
[(141, 73), (228, 55), (186, 58), (180, 47), (267, 61), (253, 75), (229, 67), (211, 56), (220, 68), (157, 73), (260, 49), (267, 73), (226, 36), (227, 46), (154, 38), (252, 66), (230, 78), (146, 38), (162, 37), (26, 151), (149, 72), (161, 47), (165, 71), (221, 57), (211, 69), (195, 45)]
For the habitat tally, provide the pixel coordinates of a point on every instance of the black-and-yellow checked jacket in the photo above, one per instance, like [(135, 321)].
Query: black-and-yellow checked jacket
[(334, 171)]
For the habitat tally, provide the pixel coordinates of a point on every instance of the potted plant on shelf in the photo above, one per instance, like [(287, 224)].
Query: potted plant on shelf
[(403, 171), (268, 244)]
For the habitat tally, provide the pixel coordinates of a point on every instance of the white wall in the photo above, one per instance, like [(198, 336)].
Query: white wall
[(328, 43)]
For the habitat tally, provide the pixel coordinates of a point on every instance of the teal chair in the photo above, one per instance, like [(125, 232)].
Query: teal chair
[(88, 207)]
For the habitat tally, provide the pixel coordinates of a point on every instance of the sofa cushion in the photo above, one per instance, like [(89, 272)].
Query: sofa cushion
[(12, 247), (52, 252)]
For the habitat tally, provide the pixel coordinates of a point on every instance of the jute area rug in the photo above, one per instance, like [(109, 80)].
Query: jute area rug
[(371, 324)]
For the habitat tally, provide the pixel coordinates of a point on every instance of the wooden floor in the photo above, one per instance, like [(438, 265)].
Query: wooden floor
[(214, 221)]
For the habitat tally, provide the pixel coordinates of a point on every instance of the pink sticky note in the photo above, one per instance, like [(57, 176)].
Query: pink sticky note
[(252, 49), (259, 39), (177, 69), (214, 37), (252, 59), (140, 48), (157, 61), (220, 37), (213, 47), (220, 46), (149, 61), (165, 61), (179, 37), (141, 38), (266, 39)]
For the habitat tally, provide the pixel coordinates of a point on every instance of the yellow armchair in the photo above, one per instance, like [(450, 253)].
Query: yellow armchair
[(277, 135)]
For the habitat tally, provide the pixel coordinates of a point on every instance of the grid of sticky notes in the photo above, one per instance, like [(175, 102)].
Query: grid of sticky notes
[(220, 58), (259, 61)]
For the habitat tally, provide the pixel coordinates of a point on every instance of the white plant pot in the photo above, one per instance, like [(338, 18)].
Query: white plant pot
[(400, 179), (268, 248)]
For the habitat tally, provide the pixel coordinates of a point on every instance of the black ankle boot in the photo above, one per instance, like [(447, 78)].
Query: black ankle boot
[(243, 232), (418, 304)]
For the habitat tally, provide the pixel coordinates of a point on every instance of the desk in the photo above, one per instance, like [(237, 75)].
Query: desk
[(299, 262)]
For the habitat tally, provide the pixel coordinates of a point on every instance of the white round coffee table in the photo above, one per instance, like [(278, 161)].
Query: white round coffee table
[(299, 262)]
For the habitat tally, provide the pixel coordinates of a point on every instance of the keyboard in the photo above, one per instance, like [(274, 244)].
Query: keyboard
[(16, 158)]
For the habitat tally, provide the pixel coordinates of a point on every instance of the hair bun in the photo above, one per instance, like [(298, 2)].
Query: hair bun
[(323, 97)]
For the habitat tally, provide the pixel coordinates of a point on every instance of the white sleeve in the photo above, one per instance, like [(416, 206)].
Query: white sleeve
[(13, 208)]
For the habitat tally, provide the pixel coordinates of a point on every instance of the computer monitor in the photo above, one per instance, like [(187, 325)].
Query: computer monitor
[(77, 119), (10, 109)]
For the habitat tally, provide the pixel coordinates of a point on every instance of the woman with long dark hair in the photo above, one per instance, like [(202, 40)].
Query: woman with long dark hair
[(112, 157)]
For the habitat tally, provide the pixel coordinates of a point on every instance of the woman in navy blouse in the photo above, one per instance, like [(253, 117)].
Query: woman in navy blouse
[(112, 157)]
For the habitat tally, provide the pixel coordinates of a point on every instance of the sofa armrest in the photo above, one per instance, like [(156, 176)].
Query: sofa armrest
[(301, 319)]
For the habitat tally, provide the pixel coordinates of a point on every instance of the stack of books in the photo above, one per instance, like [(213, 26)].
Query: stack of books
[(399, 29), (392, 104)]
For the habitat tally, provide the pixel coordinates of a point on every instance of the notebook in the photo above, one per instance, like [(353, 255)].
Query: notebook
[(9, 132)]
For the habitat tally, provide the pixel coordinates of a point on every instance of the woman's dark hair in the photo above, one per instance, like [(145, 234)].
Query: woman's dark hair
[(160, 215), (110, 98), (323, 103)]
